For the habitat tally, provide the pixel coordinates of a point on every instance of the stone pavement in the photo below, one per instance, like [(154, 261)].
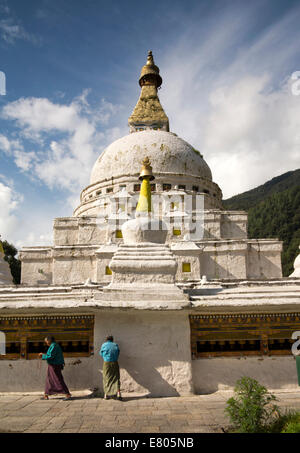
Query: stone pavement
[(136, 414)]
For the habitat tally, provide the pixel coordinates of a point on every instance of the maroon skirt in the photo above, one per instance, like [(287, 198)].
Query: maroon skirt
[(54, 381)]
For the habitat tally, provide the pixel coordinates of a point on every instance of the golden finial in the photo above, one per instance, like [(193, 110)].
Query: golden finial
[(150, 61), (146, 170), (150, 72)]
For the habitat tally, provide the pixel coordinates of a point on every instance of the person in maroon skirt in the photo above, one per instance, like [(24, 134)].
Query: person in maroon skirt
[(54, 381)]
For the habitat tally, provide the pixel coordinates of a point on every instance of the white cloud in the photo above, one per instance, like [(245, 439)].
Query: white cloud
[(35, 238), (65, 137), (252, 135), (24, 160), (4, 144), (9, 146), (231, 99), (58, 163), (9, 201), (14, 148), (40, 114), (11, 31), (56, 144)]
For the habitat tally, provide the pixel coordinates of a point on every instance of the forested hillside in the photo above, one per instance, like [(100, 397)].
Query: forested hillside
[(274, 212)]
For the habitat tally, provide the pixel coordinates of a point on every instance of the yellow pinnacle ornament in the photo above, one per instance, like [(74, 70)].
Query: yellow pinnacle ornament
[(144, 203), (148, 111)]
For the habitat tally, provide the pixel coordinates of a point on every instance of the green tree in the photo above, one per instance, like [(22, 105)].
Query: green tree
[(10, 253)]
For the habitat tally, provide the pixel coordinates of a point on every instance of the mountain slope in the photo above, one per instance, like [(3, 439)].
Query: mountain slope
[(274, 212), (252, 197)]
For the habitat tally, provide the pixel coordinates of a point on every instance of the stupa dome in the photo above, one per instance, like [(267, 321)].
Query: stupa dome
[(175, 163), (168, 154)]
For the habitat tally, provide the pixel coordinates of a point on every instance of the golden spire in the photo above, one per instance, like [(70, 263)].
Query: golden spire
[(144, 203), (150, 73), (148, 112)]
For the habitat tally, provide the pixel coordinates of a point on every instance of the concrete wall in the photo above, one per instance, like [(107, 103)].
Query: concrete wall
[(195, 267), (155, 357), (212, 374), (224, 260), (89, 229), (30, 375), (74, 231), (234, 225), (155, 351), (264, 259), (73, 265), (65, 231), (37, 266)]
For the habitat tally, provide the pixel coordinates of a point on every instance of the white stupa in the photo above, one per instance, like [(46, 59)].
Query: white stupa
[(152, 257)]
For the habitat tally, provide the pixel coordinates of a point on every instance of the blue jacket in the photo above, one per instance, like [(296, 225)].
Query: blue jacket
[(54, 355), (110, 351)]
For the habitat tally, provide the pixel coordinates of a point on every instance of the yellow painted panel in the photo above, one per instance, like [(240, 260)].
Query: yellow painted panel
[(176, 232), (174, 204), (186, 267), (108, 271), (119, 234)]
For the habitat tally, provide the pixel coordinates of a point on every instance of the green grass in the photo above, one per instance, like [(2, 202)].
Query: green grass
[(288, 422)]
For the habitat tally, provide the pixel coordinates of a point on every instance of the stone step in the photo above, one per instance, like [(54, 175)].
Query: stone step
[(143, 258), (143, 252), (128, 249)]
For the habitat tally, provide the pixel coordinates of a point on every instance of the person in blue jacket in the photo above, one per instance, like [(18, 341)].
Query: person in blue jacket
[(54, 381), (111, 372)]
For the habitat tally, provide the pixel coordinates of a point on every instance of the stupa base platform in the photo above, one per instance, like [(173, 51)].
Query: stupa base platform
[(146, 296)]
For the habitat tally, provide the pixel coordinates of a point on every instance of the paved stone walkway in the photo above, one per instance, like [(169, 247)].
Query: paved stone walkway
[(136, 414)]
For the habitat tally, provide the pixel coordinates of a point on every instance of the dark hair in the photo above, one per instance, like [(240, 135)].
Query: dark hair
[(50, 338), (110, 338)]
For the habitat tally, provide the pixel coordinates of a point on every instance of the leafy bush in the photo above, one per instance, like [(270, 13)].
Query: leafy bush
[(251, 409), (292, 427)]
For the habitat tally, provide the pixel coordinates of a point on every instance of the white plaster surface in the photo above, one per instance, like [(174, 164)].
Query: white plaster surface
[(221, 373), (231, 258), (155, 351), (256, 297), (154, 359), (29, 375), (296, 272), (144, 263), (167, 153), (144, 229), (280, 294)]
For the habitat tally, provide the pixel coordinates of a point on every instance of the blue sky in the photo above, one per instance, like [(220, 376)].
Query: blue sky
[(71, 82)]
